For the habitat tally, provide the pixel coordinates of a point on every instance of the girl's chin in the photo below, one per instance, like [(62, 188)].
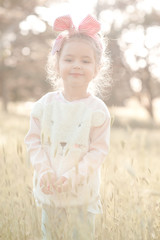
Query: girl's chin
[(76, 81)]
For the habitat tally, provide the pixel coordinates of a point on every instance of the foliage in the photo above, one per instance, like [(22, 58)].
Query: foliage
[(21, 61), (131, 26), (132, 29)]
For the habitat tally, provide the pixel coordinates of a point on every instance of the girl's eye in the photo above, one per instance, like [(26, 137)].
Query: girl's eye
[(86, 62), (68, 60)]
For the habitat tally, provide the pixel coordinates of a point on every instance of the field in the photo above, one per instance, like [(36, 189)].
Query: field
[(130, 183)]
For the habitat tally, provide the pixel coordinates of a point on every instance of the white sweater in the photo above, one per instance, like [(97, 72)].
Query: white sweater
[(73, 139)]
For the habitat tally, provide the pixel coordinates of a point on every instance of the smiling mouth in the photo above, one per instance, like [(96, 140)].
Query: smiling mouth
[(76, 74)]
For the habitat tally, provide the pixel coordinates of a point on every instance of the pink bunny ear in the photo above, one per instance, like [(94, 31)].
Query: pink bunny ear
[(63, 23), (89, 26)]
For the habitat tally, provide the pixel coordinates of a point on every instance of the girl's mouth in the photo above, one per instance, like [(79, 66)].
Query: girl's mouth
[(76, 74)]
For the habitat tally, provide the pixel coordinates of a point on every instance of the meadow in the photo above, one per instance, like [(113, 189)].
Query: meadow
[(130, 189)]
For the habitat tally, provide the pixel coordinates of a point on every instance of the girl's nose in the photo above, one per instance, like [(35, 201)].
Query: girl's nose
[(77, 65)]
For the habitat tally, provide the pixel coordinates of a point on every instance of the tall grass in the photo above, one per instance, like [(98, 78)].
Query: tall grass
[(130, 185)]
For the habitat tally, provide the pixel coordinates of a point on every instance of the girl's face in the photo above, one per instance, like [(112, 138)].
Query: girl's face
[(77, 64)]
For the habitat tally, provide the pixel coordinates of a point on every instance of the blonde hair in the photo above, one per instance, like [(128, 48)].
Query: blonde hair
[(101, 84)]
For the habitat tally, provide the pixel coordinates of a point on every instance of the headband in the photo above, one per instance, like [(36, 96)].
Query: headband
[(89, 26)]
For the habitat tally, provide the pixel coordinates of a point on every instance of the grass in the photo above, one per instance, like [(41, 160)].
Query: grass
[(130, 184)]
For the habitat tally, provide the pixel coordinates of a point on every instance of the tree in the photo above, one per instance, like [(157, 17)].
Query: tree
[(21, 74), (131, 28)]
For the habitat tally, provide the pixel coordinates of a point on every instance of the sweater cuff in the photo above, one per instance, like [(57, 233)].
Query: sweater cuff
[(45, 172)]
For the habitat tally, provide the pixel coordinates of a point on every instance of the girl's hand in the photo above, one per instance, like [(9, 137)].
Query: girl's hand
[(62, 184), (47, 182)]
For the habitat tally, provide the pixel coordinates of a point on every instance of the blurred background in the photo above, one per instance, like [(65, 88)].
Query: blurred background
[(132, 27), (130, 175)]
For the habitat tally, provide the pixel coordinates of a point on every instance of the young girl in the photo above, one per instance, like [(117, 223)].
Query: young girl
[(69, 136)]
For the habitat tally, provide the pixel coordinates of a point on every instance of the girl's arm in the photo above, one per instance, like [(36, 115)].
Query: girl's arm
[(38, 154), (39, 157), (99, 147)]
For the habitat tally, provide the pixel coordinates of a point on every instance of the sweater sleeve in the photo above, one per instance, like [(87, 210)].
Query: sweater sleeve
[(98, 150), (38, 154)]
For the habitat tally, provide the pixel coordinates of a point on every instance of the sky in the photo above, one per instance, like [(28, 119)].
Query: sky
[(77, 9)]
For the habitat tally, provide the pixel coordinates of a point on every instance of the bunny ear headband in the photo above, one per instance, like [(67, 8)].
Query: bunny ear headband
[(89, 26)]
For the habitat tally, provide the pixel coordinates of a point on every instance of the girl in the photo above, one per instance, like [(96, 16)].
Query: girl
[(69, 136)]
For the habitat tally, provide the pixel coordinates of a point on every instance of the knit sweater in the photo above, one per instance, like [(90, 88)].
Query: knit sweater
[(72, 139)]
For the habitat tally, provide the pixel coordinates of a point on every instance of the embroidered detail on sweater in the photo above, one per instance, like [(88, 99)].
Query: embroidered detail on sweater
[(66, 128)]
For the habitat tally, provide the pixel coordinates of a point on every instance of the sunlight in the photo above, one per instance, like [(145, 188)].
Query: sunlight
[(32, 23), (152, 37), (131, 59), (74, 8), (79, 9), (136, 84), (106, 17), (26, 51), (55, 10), (147, 5), (144, 45), (134, 40)]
